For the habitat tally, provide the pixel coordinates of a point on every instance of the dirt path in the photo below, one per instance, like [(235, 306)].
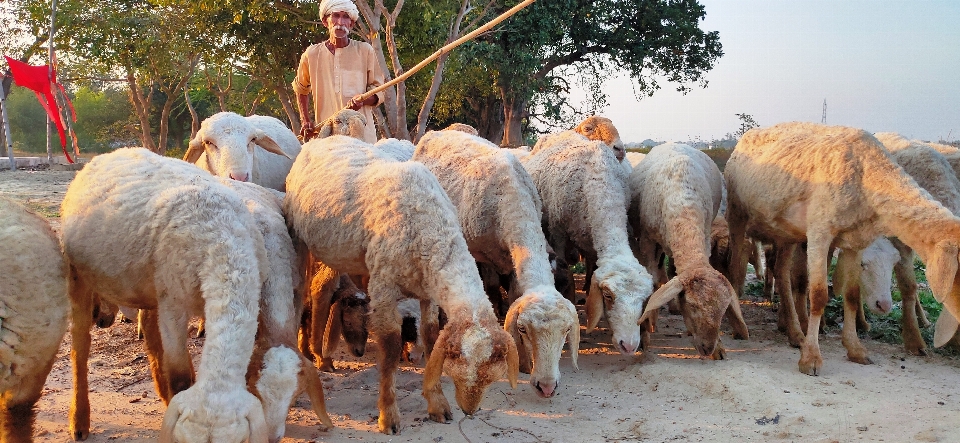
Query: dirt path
[(666, 394)]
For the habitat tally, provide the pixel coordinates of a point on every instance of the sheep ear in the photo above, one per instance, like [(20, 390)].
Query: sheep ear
[(170, 419), (669, 291), (257, 423), (268, 144), (574, 337), (326, 129), (942, 276), (594, 305), (194, 149), (434, 368), (946, 328), (513, 363), (358, 125), (735, 317)]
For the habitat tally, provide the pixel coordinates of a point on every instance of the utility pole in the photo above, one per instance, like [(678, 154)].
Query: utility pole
[(53, 13), (824, 118)]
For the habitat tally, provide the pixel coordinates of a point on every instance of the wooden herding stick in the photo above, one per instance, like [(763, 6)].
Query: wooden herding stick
[(449, 47)]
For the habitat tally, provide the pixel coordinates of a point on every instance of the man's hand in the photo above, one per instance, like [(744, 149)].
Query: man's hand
[(356, 102), (307, 131)]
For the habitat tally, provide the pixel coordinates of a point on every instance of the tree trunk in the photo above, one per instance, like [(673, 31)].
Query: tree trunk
[(194, 118), (424, 114), (514, 111), (292, 114), (140, 106)]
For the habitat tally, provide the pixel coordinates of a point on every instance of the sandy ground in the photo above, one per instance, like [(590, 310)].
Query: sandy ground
[(665, 394)]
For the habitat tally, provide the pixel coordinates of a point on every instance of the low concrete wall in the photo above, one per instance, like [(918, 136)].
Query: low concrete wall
[(31, 162)]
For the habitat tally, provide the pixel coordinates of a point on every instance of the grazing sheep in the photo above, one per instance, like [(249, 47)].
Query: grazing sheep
[(229, 145), (124, 216), (361, 212), (931, 170), (676, 195), (499, 212), (585, 199), (33, 315), (833, 186), (341, 308)]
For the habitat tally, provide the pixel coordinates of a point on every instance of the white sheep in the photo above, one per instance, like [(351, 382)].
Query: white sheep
[(499, 212), (401, 150), (831, 185), (585, 199), (33, 315), (602, 129), (256, 148), (635, 158), (932, 171), (125, 216), (676, 195), (345, 122), (359, 211)]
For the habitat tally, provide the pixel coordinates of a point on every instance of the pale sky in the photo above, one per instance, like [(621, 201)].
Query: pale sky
[(881, 65)]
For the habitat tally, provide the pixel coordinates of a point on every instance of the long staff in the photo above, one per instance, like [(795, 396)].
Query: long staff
[(449, 47)]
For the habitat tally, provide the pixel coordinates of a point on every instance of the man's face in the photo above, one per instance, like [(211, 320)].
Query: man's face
[(339, 24)]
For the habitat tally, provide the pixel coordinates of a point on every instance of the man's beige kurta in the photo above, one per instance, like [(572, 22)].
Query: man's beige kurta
[(335, 78)]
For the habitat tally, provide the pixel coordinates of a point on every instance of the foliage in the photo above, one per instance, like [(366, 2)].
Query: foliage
[(649, 39), (746, 123)]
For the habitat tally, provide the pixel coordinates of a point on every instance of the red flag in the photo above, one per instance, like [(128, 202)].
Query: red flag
[(36, 78)]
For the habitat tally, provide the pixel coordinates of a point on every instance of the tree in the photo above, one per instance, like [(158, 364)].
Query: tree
[(649, 39), (746, 123)]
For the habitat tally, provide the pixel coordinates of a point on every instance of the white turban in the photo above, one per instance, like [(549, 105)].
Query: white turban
[(328, 7)]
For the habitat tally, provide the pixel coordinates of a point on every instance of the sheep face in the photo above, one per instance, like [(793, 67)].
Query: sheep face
[(353, 321), (602, 129), (276, 386), (619, 290), (224, 416), (474, 356), (876, 265), (228, 140), (540, 322), (345, 122)]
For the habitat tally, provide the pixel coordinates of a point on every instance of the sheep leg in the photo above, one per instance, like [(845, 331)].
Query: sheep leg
[(738, 254), (848, 266), (799, 282), (81, 297), (787, 313), (385, 326), (907, 283), (818, 251), (309, 380), (331, 339), (429, 325), (303, 338), (177, 365), (321, 294), (770, 257), (673, 306), (152, 341)]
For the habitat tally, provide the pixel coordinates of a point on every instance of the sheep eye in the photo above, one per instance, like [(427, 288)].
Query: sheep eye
[(608, 296), (522, 329), (210, 144)]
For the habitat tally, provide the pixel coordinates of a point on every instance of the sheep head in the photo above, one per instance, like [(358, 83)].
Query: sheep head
[(228, 140), (619, 289), (602, 129), (705, 296), (540, 322), (877, 264), (345, 122), (354, 307), (276, 387), (203, 415), (474, 355)]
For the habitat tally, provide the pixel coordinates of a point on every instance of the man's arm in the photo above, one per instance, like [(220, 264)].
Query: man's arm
[(306, 121)]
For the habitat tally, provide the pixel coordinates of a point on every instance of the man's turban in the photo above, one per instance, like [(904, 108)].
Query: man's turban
[(328, 7)]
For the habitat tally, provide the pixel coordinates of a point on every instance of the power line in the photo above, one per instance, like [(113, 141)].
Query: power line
[(824, 118)]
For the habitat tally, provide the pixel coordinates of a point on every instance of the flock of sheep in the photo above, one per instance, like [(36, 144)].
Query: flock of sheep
[(276, 230)]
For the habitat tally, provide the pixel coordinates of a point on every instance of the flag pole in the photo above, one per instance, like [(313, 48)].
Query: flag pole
[(6, 128)]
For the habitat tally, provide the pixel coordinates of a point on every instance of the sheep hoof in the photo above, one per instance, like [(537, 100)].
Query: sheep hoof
[(326, 365), (80, 435), (862, 359), (811, 365)]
